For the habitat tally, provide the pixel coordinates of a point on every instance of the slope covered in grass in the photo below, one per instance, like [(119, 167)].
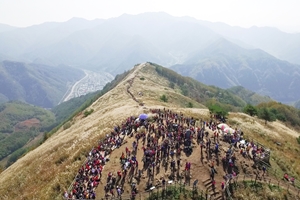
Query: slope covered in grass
[(47, 171)]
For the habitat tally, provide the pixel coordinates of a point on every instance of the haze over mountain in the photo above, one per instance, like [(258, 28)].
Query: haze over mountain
[(225, 64), (114, 44), (285, 46), (4, 27), (36, 84)]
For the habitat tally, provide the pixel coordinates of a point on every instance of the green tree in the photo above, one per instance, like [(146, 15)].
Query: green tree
[(184, 89), (298, 139), (164, 98), (88, 112), (281, 117), (250, 110), (266, 115), (218, 110), (190, 105), (66, 125), (172, 85)]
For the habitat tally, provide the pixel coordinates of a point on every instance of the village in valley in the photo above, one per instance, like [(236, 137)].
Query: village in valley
[(91, 82)]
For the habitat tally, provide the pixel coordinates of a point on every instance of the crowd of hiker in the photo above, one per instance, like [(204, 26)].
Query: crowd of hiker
[(162, 141), (90, 174), (162, 138)]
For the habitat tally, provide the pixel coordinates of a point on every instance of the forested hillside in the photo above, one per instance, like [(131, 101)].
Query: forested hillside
[(248, 96), (272, 110), (20, 123), (230, 99)]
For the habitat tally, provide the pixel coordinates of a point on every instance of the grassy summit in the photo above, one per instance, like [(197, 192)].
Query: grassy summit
[(48, 170)]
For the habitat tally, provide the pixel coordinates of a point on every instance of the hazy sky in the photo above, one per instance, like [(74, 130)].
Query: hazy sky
[(283, 14)]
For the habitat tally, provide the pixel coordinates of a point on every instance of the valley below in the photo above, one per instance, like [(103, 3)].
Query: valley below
[(91, 82)]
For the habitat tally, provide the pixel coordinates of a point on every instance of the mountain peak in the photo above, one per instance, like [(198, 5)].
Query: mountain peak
[(77, 19), (223, 44), (138, 91)]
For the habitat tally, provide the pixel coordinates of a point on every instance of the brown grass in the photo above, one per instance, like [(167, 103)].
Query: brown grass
[(45, 172), (285, 158)]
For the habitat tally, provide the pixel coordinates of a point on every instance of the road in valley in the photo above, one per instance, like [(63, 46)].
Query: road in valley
[(91, 82)]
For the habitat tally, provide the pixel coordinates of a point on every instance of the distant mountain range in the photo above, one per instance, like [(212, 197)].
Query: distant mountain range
[(36, 84), (285, 46), (225, 64), (226, 56), (4, 27)]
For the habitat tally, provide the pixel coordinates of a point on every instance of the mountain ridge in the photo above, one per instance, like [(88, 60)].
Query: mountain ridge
[(61, 155), (5, 27), (227, 64), (278, 43), (116, 43)]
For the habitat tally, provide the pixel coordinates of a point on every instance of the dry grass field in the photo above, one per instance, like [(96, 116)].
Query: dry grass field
[(48, 170)]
